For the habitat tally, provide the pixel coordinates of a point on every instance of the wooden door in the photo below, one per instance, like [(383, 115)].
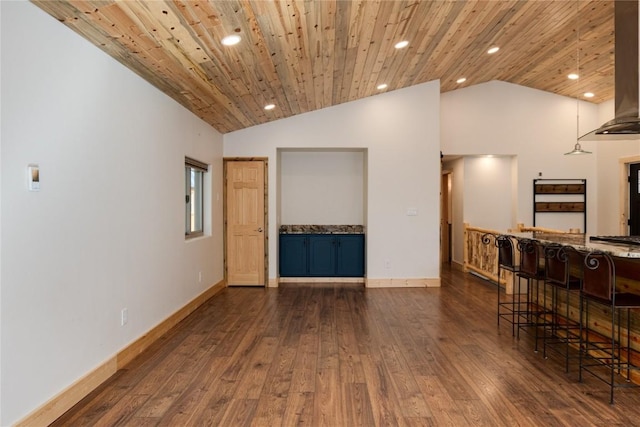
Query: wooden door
[(245, 223)]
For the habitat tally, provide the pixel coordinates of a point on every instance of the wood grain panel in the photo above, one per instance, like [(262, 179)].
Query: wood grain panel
[(559, 188), (110, 368), (286, 356), (245, 220), (559, 206), (305, 55)]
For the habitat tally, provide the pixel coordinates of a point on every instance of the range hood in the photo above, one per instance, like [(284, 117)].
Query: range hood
[(626, 124)]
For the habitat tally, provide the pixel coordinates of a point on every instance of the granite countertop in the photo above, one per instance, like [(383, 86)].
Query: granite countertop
[(582, 242), (321, 229)]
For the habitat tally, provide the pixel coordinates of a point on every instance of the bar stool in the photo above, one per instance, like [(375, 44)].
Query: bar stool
[(604, 358), (507, 308), (559, 328), (531, 311)]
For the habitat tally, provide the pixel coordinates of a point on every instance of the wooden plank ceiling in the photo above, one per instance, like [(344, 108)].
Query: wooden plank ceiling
[(303, 55)]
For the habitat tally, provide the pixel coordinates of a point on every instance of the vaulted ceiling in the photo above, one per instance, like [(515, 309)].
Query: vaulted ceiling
[(303, 55)]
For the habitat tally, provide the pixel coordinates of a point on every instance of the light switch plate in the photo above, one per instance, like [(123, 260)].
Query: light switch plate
[(33, 177)]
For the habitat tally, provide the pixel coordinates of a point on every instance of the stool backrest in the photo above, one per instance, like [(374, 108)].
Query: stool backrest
[(599, 276), (506, 254), (556, 263), (529, 256)]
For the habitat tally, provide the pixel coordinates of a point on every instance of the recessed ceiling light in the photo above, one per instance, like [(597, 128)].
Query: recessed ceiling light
[(400, 45), (382, 86), (493, 49), (461, 80), (589, 95), (231, 40), (573, 76), (270, 106)]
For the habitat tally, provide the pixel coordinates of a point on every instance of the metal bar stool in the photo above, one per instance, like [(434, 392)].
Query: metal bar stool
[(603, 358), (559, 327), (507, 307), (531, 312)]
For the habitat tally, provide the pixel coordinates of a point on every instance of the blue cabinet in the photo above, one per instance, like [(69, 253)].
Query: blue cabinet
[(350, 255), (293, 255), (321, 255)]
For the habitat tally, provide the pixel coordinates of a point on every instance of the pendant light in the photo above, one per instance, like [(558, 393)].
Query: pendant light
[(577, 149)]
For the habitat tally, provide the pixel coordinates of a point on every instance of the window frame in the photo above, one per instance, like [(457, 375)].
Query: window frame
[(194, 179)]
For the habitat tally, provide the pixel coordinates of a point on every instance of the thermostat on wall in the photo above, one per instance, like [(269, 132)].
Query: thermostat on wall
[(34, 177)]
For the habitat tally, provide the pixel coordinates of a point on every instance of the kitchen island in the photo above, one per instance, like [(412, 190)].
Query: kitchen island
[(626, 261), (626, 256)]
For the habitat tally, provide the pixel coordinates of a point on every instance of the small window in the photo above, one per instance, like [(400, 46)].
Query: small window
[(194, 172)]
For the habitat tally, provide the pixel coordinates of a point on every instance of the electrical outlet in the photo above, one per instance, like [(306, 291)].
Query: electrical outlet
[(387, 264), (124, 316), (200, 277)]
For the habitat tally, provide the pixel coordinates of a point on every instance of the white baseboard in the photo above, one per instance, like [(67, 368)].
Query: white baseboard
[(404, 283)]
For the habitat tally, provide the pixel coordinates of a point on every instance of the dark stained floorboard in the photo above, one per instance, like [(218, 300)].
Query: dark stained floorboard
[(343, 355)]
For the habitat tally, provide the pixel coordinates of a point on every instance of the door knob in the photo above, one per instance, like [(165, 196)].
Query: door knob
[(260, 230)]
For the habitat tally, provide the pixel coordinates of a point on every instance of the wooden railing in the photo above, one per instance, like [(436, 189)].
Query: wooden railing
[(481, 252), (480, 256)]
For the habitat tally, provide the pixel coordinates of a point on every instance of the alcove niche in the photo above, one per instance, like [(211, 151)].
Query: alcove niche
[(325, 186)]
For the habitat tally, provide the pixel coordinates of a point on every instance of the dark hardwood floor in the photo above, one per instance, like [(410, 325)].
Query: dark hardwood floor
[(343, 355)]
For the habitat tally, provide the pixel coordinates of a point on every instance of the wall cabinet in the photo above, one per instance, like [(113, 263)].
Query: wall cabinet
[(321, 255)]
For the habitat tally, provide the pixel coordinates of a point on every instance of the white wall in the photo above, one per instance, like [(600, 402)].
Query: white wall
[(400, 130), (609, 154), (322, 187), (609, 166), (106, 231), (487, 188), (481, 195), (537, 127), (534, 126)]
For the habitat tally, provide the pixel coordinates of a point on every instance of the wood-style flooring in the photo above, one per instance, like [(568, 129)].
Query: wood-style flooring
[(343, 355)]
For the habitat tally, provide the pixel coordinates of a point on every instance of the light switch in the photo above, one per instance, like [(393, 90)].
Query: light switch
[(34, 177), (412, 211)]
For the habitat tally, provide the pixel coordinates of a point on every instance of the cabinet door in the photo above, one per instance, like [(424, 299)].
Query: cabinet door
[(293, 255), (350, 255), (322, 255)]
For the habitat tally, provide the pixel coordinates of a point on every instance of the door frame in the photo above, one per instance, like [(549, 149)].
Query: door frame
[(225, 161), (445, 208), (624, 163)]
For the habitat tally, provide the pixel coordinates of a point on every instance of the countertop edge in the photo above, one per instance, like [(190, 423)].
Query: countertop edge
[(618, 250)]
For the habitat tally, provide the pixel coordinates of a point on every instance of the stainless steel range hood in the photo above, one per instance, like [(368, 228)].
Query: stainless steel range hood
[(626, 124)]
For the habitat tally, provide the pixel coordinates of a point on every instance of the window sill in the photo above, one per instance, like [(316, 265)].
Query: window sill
[(194, 236)]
